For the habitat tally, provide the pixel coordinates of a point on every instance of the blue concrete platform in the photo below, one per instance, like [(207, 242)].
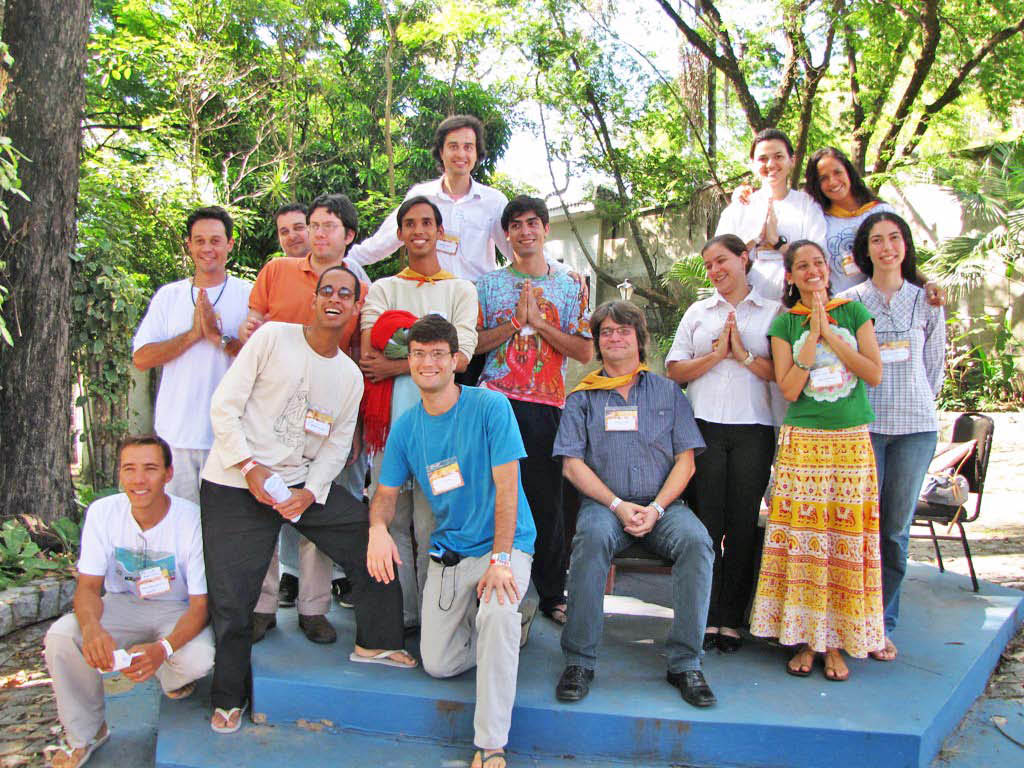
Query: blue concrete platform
[(888, 714)]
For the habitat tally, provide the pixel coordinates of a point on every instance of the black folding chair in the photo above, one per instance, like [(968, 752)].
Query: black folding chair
[(968, 426)]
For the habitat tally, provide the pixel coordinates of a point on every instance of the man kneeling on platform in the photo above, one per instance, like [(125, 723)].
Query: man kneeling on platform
[(146, 549), (283, 418), (627, 438), (463, 446)]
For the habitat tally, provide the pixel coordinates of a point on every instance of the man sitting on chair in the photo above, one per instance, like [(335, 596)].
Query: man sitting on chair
[(627, 438)]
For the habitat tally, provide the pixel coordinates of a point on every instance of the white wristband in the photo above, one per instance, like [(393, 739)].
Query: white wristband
[(167, 647), (615, 503), (248, 467)]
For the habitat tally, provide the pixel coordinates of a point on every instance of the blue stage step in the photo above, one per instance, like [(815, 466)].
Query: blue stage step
[(888, 714)]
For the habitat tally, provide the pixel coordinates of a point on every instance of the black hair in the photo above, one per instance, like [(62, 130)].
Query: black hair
[(521, 204), (908, 268), (290, 208), (210, 212), (769, 134), (454, 123), (623, 313), (341, 207), (791, 294), (418, 200), (338, 268), (431, 328), (812, 180), (150, 439), (732, 243)]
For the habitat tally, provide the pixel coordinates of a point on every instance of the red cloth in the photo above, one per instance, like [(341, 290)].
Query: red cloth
[(375, 408)]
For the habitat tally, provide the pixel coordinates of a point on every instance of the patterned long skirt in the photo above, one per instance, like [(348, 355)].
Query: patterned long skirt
[(821, 575)]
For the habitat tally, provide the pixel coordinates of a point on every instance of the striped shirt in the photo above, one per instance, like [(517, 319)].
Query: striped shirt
[(633, 464), (912, 337)]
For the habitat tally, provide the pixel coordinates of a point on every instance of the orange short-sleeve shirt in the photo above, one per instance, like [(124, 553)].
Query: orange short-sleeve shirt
[(283, 291)]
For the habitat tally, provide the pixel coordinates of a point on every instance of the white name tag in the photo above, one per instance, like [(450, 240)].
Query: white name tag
[(624, 418), (153, 581), (895, 351), (849, 265), (444, 476), (318, 423), (448, 244), (826, 378)]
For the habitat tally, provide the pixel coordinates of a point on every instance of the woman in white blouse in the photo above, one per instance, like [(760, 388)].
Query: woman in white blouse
[(912, 339), (774, 216), (721, 353)]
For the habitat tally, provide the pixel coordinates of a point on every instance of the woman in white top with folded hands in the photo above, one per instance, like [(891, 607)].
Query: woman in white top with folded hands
[(721, 352), (774, 215)]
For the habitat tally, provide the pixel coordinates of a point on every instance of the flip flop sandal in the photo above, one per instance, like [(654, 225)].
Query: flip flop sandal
[(889, 648), (503, 756), (384, 657), (800, 672), (181, 693), (558, 614), (89, 748), (227, 714), (834, 676)]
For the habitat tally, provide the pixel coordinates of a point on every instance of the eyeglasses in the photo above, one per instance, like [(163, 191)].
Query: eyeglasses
[(326, 291), (622, 330), (327, 227), (437, 355)]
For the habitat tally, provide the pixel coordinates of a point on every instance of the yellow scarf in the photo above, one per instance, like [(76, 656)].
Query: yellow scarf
[(800, 309), (411, 274), (841, 213), (595, 380)]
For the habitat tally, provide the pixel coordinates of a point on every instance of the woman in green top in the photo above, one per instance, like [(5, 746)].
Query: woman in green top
[(820, 583)]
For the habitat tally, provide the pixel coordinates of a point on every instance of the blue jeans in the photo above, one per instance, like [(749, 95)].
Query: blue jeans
[(680, 537), (901, 462)]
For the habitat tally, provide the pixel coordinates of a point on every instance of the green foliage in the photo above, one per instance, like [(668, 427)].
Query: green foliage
[(9, 183), (21, 560), (982, 375)]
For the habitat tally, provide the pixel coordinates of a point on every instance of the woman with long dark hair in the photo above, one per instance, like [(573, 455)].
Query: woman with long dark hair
[(912, 339), (721, 353), (819, 586)]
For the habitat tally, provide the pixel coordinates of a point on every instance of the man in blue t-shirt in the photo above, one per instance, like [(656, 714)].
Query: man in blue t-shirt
[(463, 447)]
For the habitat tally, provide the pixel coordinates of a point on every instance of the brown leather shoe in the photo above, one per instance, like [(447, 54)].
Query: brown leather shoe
[(261, 622), (317, 629)]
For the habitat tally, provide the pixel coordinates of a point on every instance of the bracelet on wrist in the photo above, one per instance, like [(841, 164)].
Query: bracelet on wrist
[(249, 465), (800, 365), (615, 503), (167, 647), (516, 324), (502, 558)]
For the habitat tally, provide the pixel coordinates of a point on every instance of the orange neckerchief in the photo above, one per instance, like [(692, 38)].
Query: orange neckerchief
[(800, 309), (595, 380), (411, 274), (841, 213)]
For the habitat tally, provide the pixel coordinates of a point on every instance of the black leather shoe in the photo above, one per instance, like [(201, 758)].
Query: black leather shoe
[(710, 641), (261, 622), (693, 687), (574, 683), (342, 591), (729, 644), (288, 591), (317, 629)]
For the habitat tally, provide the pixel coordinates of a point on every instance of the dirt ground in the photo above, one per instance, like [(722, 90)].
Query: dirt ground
[(28, 717)]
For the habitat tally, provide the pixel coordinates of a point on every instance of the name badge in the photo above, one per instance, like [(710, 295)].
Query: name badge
[(448, 244), (444, 476), (849, 265), (827, 377), (623, 418), (318, 423), (895, 351), (153, 581)]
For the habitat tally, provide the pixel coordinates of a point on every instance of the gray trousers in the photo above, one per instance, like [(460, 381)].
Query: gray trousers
[(130, 620), (413, 516), (460, 632), (188, 466)]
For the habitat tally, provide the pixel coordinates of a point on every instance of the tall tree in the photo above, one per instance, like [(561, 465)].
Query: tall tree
[(47, 40)]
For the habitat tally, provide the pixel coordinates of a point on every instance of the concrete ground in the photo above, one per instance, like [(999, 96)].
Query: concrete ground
[(28, 718)]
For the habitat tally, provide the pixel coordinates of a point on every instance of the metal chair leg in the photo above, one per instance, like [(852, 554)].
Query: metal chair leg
[(935, 543), (967, 553), (609, 584)]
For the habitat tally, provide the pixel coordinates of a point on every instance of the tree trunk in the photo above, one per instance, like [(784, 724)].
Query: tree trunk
[(47, 40)]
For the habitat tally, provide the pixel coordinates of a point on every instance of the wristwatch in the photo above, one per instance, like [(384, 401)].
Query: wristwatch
[(659, 509), (502, 558), (224, 341), (749, 359), (780, 242)]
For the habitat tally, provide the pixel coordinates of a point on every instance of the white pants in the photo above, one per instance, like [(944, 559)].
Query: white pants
[(460, 632), (129, 620), (188, 467)]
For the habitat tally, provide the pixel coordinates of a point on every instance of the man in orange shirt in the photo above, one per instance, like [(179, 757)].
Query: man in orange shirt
[(281, 293)]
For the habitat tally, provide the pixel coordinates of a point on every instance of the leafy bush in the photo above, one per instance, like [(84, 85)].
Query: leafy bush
[(982, 375), (21, 560)]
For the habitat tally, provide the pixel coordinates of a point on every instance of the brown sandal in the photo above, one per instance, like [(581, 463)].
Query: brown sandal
[(806, 656)]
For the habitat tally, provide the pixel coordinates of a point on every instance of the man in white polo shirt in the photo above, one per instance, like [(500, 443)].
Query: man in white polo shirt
[(144, 549)]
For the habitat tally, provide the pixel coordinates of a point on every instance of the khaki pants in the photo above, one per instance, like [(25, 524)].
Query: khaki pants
[(130, 620), (460, 632)]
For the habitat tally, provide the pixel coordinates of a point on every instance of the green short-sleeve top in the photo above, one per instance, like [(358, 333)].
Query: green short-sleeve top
[(833, 397)]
